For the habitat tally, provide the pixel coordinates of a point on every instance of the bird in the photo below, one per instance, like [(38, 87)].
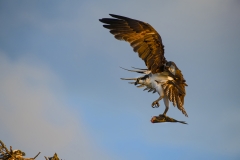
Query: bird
[(161, 76)]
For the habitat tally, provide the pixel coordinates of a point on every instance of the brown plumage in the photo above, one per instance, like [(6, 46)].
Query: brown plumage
[(175, 94), (142, 37), (147, 42), (175, 89)]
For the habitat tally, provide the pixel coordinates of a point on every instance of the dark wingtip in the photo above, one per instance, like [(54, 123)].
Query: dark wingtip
[(115, 16), (119, 17), (112, 14)]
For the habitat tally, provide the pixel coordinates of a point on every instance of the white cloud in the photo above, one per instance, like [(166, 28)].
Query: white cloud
[(35, 117)]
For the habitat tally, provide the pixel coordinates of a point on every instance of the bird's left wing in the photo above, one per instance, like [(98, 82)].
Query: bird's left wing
[(175, 92), (142, 37)]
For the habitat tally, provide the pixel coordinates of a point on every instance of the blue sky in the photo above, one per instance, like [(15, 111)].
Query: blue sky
[(60, 87)]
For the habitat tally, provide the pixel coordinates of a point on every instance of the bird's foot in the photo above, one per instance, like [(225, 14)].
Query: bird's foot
[(155, 104)]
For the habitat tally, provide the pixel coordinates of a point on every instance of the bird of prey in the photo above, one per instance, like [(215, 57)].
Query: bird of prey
[(161, 76)]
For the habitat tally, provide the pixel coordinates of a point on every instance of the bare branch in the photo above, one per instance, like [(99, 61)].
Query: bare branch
[(36, 155), (3, 145)]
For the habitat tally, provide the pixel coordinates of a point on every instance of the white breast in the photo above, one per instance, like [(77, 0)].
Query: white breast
[(161, 78)]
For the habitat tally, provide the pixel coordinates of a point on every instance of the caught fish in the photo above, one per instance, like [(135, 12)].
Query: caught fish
[(161, 118)]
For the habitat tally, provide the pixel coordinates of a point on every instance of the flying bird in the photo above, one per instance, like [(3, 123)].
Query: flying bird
[(161, 76)]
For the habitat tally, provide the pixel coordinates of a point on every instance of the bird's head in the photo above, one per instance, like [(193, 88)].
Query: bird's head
[(171, 66)]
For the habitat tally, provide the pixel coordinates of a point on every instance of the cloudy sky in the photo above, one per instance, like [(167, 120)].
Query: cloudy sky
[(60, 87)]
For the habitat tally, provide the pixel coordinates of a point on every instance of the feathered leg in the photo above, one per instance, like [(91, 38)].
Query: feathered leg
[(159, 89), (166, 102)]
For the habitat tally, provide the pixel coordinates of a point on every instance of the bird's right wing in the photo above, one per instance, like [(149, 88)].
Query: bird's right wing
[(142, 37)]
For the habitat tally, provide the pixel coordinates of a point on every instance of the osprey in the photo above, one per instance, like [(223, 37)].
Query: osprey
[(161, 76)]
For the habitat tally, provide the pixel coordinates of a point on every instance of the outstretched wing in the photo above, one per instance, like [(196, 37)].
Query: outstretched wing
[(142, 37), (176, 93)]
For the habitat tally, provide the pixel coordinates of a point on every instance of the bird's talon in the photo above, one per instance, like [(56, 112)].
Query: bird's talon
[(155, 104)]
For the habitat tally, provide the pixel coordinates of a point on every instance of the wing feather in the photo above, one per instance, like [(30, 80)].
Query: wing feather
[(145, 54), (176, 93), (136, 42), (142, 37), (170, 95), (174, 100)]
